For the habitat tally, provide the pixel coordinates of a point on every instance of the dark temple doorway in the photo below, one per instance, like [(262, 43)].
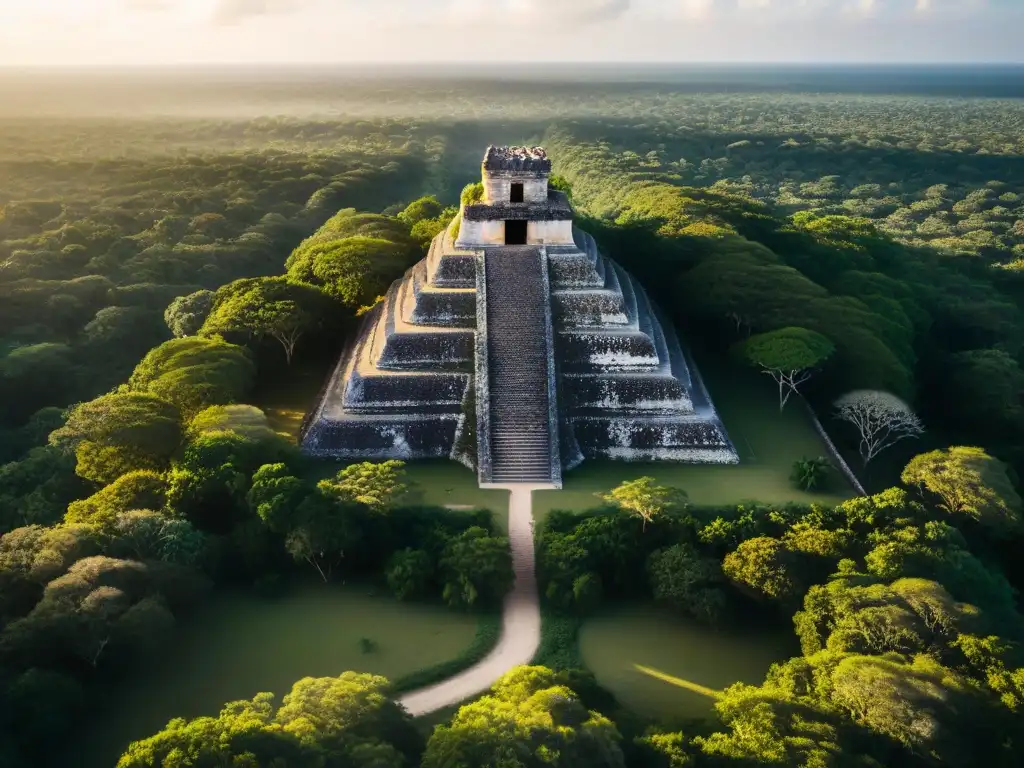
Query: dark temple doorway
[(517, 193), (515, 232)]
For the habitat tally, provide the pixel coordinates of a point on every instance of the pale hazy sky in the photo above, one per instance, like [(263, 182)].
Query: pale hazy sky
[(110, 32)]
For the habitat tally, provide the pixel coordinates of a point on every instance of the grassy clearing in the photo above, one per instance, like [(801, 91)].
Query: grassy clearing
[(669, 668), (442, 483), (240, 645), (768, 443), (488, 631)]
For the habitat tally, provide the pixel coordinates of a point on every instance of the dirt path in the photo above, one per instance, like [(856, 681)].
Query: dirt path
[(520, 621)]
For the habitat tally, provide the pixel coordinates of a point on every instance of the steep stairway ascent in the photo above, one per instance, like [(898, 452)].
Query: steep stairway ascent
[(520, 419)]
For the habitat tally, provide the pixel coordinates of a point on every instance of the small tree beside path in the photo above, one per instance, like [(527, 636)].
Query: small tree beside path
[(788, 355)]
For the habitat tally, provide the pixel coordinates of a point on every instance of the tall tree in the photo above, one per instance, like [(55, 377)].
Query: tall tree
[(641, 497), (881, 420), (476, 569), (378, 485), (320, 532), (119, 433), (346, 720), (687, 582), (267, 307), (195, 373), (766, 569), (186, 314), (969, 482), (788, 355)]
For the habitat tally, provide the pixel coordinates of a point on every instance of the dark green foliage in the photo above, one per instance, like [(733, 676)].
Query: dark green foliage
[(194, 373), (476, 569), (355, 257), (811, 474), (687, 582), (969, 483), (789, 355), (38, 488), (186, 314), (766, 569), (527, 705), (345, 719), (269, 308), (119, 433), (420, 210), (559, 647), (33, 376), (409, 573)]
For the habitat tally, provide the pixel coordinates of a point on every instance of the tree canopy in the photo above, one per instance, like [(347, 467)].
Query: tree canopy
[(530, 718), (788, 355), (969, 482)]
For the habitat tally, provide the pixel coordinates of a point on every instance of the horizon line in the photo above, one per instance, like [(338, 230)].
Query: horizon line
[(477, 65)]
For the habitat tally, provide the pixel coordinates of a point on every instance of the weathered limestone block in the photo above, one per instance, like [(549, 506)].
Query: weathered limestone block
[(423, 349), (575, 270), (383, 437), (589, 308), (605, 350), (697, 440), (381, 390), (549, 232), (455, 271), (498, 186), (455, 309), (648, 393), (478, 234)]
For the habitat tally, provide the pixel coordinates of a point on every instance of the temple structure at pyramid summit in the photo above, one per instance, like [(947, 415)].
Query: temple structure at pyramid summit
[(517, 348)]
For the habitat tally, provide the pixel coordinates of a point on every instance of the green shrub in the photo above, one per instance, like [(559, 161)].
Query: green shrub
[(559, 644), (472, 193), (810, 474)]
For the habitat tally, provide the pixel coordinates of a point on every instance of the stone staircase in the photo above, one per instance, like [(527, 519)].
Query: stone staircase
[(518, 361)]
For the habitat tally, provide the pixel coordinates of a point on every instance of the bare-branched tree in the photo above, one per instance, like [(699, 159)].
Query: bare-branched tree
[(881, 418)]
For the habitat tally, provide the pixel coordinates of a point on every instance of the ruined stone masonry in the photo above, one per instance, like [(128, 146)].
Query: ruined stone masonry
[(518, 349)]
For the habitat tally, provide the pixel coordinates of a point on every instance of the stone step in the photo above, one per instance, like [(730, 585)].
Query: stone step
[(517, 364)]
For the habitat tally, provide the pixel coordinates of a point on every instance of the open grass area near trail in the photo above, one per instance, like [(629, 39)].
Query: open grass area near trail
[(239, 645), (671, 668), (441, 483), (767, 441)]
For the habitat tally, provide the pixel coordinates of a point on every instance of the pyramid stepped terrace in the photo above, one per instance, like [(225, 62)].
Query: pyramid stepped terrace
[(516, 347)]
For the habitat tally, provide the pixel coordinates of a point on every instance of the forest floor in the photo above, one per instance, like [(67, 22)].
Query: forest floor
[(240, 644), (680, 668)]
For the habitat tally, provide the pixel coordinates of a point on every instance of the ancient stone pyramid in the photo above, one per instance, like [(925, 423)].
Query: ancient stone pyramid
[(516, 347)]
